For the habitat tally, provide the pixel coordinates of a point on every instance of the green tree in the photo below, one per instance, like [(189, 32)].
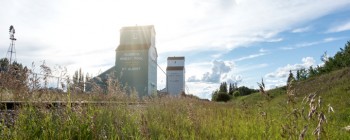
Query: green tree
[(46, 71), (221, 95), (75, 78), (78, 84), (88, 84), (290, 77), (4, 63), (13, 76), (340, 60), (312, 71), (324, 58), (81, 82), (303, 74), (298, 75), (223, 87), (230, 90)]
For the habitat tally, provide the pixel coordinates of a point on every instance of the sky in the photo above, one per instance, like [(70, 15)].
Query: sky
[(230, 41)]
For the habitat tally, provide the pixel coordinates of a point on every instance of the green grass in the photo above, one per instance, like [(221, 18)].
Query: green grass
[(247, 117)]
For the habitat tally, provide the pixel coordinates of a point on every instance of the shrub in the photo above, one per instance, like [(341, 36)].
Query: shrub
[(236, 93), (246, 91), (222, 97)]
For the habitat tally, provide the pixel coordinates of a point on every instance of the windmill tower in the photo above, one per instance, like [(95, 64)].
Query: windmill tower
[(11, 52)]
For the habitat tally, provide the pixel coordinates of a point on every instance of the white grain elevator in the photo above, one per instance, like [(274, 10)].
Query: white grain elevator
[(175, 75)]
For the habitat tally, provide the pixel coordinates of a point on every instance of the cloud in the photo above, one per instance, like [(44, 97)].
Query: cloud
[(250, 56), (283, 72), (325, 40), (274, 40), (251, 67), (235, 26), (201, 89), (339, 28), (220, 71), (234, 79), (270, 84), (54, 26), (262, 50), (301, 30), (307, 44), (278, 77), (219, 68), (86, 33), (217, 55), (287, 48), (193, 79), (330, 39)]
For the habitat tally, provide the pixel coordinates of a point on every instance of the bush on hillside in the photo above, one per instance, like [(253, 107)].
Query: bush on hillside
[(236, 93), (220, 96), (243, 90), (223, 97)]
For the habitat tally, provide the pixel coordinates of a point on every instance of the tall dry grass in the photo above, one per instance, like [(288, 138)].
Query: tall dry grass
[(284, 115)]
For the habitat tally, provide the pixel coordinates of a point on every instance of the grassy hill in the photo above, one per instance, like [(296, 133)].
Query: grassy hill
[(248, 117), (333, 88)]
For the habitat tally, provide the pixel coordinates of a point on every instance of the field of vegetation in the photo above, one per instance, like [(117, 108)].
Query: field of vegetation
[(281, 116), (316, 107)]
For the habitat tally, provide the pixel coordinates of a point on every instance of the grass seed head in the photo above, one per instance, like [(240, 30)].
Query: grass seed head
[(303, 132), (330, 108), (322, 118), (319, 101), (312, 111), (317, 132)]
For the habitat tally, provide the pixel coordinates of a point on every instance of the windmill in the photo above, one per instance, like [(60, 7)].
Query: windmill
[(12, 50)]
